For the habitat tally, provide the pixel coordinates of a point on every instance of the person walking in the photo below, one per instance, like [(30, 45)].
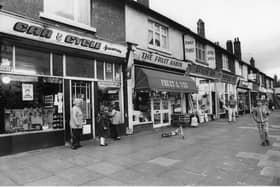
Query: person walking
[(232, 109), (76, 123), (260, 115), (103, 124), (116, 120)]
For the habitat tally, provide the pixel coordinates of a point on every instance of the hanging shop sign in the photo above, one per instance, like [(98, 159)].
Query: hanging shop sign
[(45, 33), (211, 56), (201, 70), (189, 45), (157, 59), (252, 77), (244, 84)]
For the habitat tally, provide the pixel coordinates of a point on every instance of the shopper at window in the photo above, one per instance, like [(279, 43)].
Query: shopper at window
[(231, 109), (260, 115), (103, 124), (76, 123), (116, 122)]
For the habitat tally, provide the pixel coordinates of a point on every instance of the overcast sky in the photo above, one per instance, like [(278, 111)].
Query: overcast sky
[(255, 22)]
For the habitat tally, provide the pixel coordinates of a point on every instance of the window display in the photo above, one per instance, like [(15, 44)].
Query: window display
[(30, 104), (142, 107)]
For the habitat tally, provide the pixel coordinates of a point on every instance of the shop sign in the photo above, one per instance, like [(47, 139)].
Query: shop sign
[(201, 70), (44, 33), (252, 77), (244, 84), (174, 84), (157, 59), (27, 92), (103, 84), (189, 44), (211, 56), (227, 78)]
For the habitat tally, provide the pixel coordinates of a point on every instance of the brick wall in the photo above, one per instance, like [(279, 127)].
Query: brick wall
[(29, 8), (108, 17)]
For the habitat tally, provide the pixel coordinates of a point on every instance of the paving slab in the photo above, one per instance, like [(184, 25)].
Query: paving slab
[(166, 162), (271, 171), (105, 168), (249, 155), (50, 181), (78, 175)]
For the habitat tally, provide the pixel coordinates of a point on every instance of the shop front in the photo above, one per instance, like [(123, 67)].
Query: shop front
[(244, 99), (42, 70), (159, 89), (205, 101), (225, 88)]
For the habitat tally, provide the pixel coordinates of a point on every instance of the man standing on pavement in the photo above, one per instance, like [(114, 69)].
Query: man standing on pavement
[(260, 115), (231, 109)]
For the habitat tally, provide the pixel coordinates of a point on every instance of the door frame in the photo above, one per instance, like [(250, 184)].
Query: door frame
[(161, 112), (92, 135)]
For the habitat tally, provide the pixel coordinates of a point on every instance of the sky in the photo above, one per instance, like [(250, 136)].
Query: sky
[(255, 22)]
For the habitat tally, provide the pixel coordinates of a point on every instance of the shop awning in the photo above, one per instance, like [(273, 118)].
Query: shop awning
[(147, 79)]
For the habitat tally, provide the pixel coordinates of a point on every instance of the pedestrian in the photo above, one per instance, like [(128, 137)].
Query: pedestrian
[(103, 124), (76, 123), (231, 109), (260, 115), (116, 121)]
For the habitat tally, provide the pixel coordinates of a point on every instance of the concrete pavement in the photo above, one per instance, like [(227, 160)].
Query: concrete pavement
[(215, 153)]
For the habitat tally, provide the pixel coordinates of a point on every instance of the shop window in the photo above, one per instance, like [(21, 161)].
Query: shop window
[(200, 52), (157, 35), (76, 10), (30, 61), (109, 71), (6, 57), (57, 64), (79, 67), (142, 107), (100, 70), (30, 104)]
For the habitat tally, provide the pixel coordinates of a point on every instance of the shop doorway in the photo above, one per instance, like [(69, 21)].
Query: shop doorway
[(161, 112), (213, 95), (83, 90)]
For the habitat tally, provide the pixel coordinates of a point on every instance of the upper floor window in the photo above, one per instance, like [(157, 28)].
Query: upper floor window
[(77, 11), (200, 52), (157, 35), (225, 63)]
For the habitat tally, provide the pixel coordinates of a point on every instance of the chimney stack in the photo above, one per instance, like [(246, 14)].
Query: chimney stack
[(237, 48), (201, 28), (230, 46), (145, 3), (217, 43), (252, 62)]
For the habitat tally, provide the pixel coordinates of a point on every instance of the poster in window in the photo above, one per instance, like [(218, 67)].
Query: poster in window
[(27, 92)]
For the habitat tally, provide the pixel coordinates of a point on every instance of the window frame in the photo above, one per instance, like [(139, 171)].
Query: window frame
[(225, 63), (200, 52), (161, 35), (48, 15)]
